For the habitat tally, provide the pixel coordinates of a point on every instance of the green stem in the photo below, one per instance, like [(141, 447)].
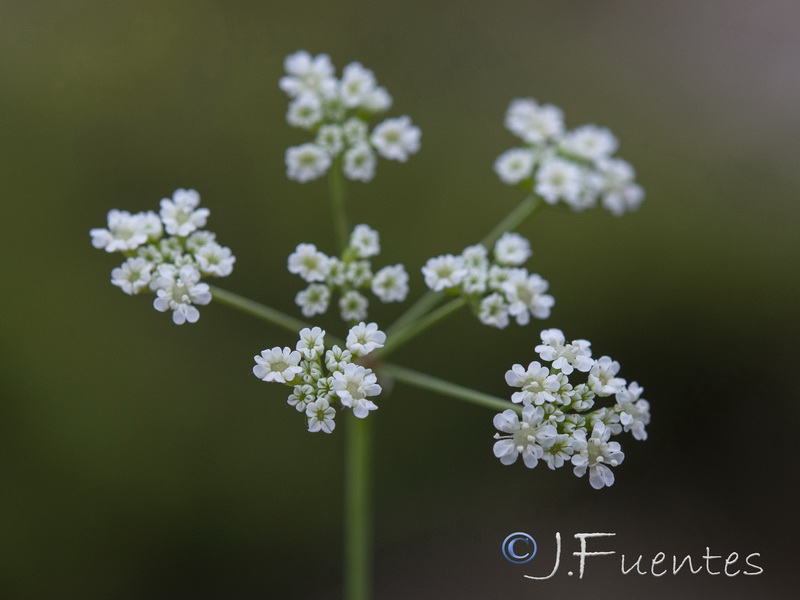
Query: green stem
[(256, 309), (529, 205), (336, 186), (416, 327), (440, 386), (358, 510)]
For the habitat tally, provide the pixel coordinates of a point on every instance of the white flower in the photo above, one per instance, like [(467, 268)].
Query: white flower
[(493, 311), (133, 275), (312, 343), (608, 417), (353, 384), (532, 122), (313, 300), (528, 436), (590, 142), (514, 165), (309, 263), (301, 396), (581, 398), (178, 290), (378, 100), (281, 365), (358, 273), (602, 377), (512, 249), (306, 162), (181, 215), (475, 281), (320, 416), (307, 74), (305, 111), (337, 271), (558, 179), (356, 85), (537, 384), (559, 452), (365, 241), (526, 296), (497, 277), (331, 138), (355, 131), (125, 231), (353, 306), (364, 338), (595, 454), (390, 284), (618, 190), (214, 259), (199, 239), (444, 272), (359, 163), (634, 413), (396, 139), (565, 357), (476, 257), (311, 371), (336, 358)]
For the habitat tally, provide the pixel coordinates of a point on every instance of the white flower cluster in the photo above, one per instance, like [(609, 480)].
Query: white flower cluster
[(561, 421), (498, 288), (321, 378), (349, 275), (575, 167), (337, 111), (171, 266)]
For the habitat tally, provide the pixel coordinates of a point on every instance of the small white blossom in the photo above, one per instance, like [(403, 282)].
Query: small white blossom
[(336, 358), (396, 139), (532, 122), (356, 85), (602, 377), (581, 398), (307, 74), (133, 275), (309, 263), (180, 215), (590, 142), (320, 416), (306, 162), (199, 239), (634, 412), (331, 138), (537, 384), (214, 259), (514, 165), (354, 384), (390, 284), (312, 343), (305, 111), (365, 241), (493, 311), (358, 273), (302, 396), (565, 357), (125, 232), (281, 365), (558, 179), (476, 257), (597, 454), (364, 338), (178, 290), (618, 190), (528, 436), (559, 452), (377, 101), (355, 131), (337, 272), (359, 163), (313, 300), (525, 294), (353, 306), (512, 249), (444, 272), (311, 371)]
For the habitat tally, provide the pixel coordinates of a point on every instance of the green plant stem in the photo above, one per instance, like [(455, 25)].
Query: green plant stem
[(416, 327), (358, 510), (256, 309), (440, 386), (529, 205), (338, 211)]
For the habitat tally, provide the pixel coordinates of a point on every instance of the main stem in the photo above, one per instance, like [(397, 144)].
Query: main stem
[(357, 469)]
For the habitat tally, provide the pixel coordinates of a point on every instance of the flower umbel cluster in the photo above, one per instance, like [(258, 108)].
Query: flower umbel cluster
[(321, 379), (497, 287), (564, 420), (350, 275), (337, 112), (167, 253), (574, 167)]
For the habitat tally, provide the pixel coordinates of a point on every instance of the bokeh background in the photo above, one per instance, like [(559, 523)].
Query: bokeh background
[(143, 460)]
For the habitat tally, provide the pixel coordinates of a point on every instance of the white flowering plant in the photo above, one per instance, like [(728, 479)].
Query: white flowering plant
[(566, 405)]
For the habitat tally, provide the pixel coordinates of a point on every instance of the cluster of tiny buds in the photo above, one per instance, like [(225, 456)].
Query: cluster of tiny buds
[(338, 111), (561, 421), (349, 274), (498, 288), (172, 265), (321, 378), (574, 167)]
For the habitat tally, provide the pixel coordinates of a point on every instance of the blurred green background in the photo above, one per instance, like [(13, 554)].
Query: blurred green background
[(143, 460)]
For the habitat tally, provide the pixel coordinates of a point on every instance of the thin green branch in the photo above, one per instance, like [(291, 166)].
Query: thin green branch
[(406, 334), (440, 386), (358, 509)]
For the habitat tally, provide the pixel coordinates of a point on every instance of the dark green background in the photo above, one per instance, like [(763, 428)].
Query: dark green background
[(143, 460)]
